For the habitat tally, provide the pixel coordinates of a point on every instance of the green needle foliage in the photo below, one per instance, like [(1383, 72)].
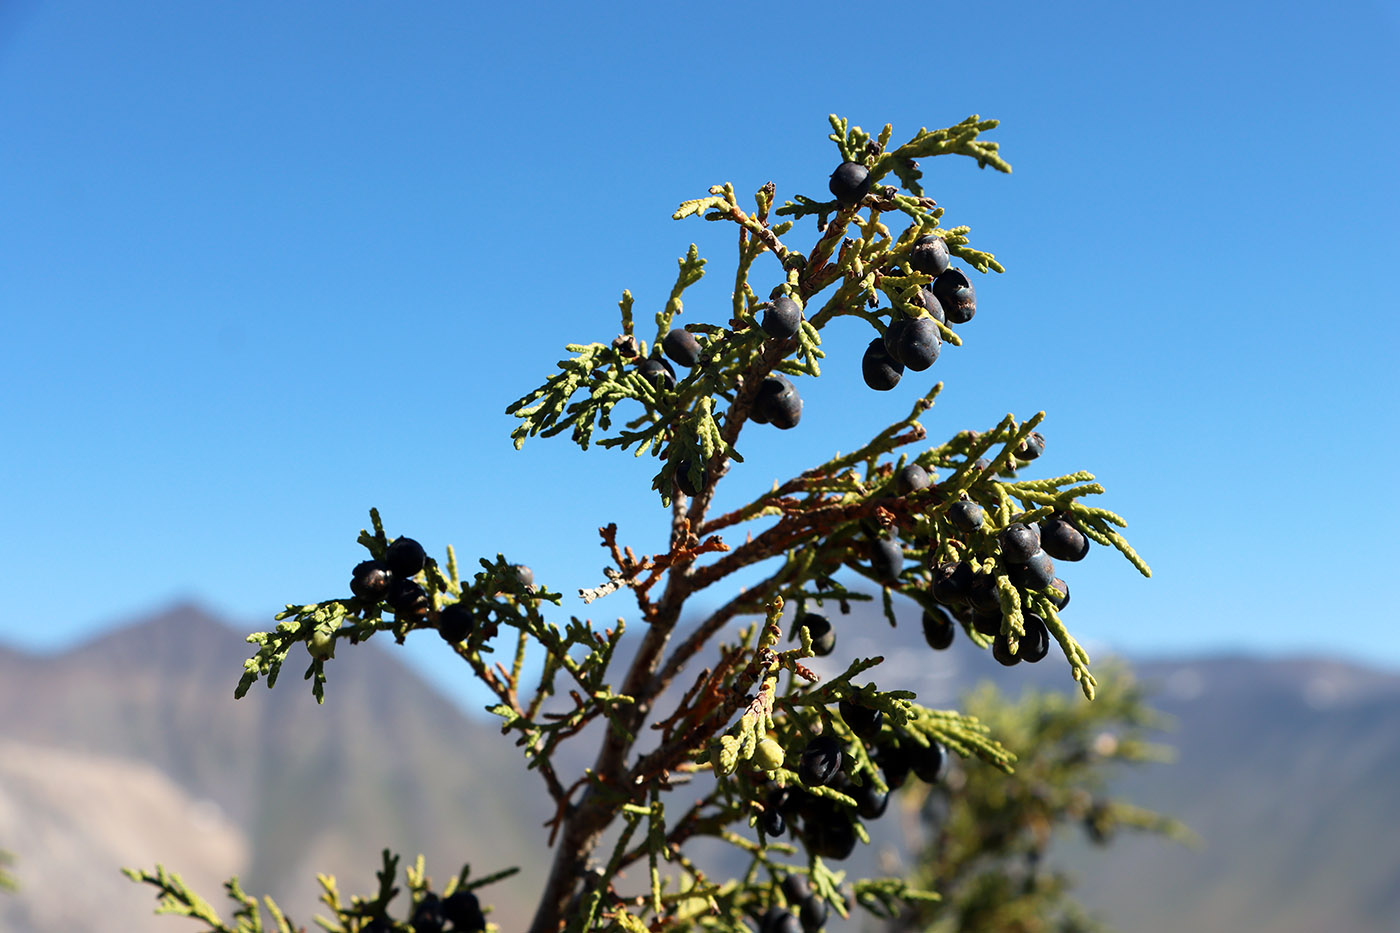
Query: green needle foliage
[(989, 833), (733, 711)]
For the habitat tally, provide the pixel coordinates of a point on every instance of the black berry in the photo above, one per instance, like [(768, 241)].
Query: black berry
[(931, 763), (886, 558), (987, 622), (1001, 650), (463, 910), (1035, 644), (919, 344), (819, 628), (683, 480), (850, 183), (455, 623), (796, 890), (782, 318), (870, 802), (1018, 542), (1032, 447), (427, 916), (1059, 593), (882, 372), (682, 347), (777, 920), (821, 760), (1062, 540), (982, 593), (405, 557), (927, 300), (955, 293), (911, 478), (894, 762), (864, 721), (772, 823), (894, 336), (951, 580), (1035, 574), (814, 914), (929, 255), (408, 599), (371, 580), (966, 515), (658, 372), (832, 835), (777, 402), (938, 628)]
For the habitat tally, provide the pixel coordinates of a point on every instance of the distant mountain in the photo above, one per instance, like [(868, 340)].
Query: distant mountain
[(295, 788), (1288, 769), (130, 749)]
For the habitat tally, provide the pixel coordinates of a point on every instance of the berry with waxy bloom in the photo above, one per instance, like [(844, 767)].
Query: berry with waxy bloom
[(918, 344), (911, 478), (682, 347), (966, 514), (951, 580), (1018, 542), (1034, 573), (850, 183), (927, 300), (1061, 540), (658, 372), (955, 293), (1032, 446), (881, 371), (886, 558), (929, 255), (782, 319), (777, 402)]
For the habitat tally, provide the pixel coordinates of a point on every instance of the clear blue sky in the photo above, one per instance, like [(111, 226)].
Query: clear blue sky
[(264, 265)]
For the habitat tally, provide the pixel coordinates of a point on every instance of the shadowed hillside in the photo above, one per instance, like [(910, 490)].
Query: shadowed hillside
[(384, 762)]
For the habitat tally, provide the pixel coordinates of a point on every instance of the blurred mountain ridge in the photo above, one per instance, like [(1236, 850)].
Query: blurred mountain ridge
[(129, 749)]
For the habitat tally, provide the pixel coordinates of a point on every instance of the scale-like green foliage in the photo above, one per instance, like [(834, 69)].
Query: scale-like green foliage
[(740, 727), (990, 833)]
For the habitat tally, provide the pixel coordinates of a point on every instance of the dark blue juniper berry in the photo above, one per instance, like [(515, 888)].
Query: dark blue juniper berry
[(881, 371), (955, 293), (782, 318), (850, 183), (682, 347)]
